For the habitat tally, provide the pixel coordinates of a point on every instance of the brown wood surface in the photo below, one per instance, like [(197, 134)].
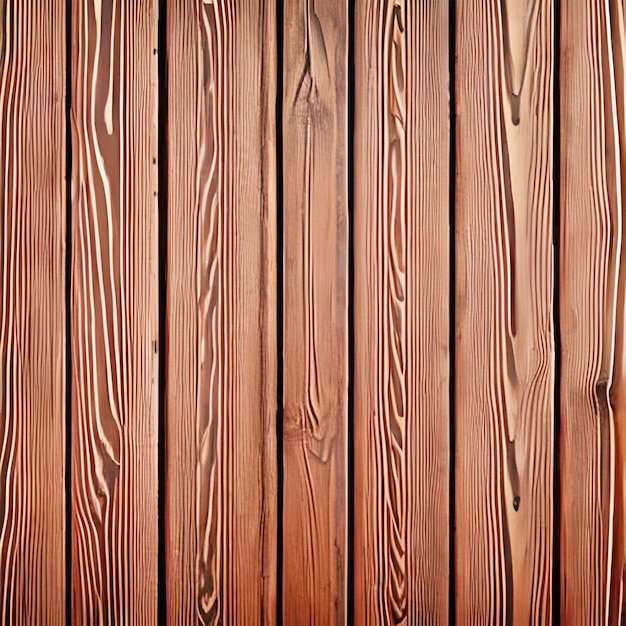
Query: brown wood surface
[(401, 320), (504, 359), (592, 314), (114, 312), (227, 557), (33, 312), (315, 324), (221, 313)]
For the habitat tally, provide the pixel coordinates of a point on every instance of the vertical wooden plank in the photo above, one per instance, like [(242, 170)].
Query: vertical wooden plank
[(504, 370), (592, 312), (114, 316), (32, 315), (401, 310), (221, 313), (315, 256)]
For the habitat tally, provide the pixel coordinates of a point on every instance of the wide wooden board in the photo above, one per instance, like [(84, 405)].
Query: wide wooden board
[(221, 370), (315, 305), (504, 334), (33, 312), (114, 312), (401, 313), (592, 313)]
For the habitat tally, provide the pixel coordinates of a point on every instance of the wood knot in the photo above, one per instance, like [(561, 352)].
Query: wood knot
[(516, 500)]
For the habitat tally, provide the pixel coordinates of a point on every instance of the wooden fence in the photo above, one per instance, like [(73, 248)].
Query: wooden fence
[(312, 311)]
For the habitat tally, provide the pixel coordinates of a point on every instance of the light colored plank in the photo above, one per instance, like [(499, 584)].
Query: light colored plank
[(315, 348), (504, 359), (221, 313), (114, 312), (33, 313), (592, 312), (401, 309)]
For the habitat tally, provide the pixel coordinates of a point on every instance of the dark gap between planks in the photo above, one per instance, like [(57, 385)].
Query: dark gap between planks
[(351, 326), (68, 318), (279, 310), (556, 225)]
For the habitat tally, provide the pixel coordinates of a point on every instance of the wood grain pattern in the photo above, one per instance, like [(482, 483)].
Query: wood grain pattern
[(221, 313), (504, 370), (315, 256), (401, 313), (32, 315), (592, 312), (114, 314)]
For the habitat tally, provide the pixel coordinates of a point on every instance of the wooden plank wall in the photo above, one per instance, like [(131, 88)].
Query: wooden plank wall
[(312, 312)]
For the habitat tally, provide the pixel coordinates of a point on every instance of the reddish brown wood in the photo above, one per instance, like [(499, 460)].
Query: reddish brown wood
[(221, 489), (504, 331), (592, 312), (315, 324), (32, 312), (114, 312), (401, 313)]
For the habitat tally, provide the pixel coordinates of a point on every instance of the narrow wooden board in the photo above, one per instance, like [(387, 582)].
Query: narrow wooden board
[(114, 312), (33, 313), (221, 495), (592, 312), (504, 360), (315, 344), (401, 313)]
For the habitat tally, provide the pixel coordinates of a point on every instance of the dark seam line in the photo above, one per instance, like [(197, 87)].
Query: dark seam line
[(351, 326), (279, 310), (556, 224)]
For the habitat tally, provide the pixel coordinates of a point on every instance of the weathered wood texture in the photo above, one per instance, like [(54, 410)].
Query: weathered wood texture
[(32, 316), (315, 348), (221, 378), (114, 312), (401, 313), (592, 312), (504, 359)]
